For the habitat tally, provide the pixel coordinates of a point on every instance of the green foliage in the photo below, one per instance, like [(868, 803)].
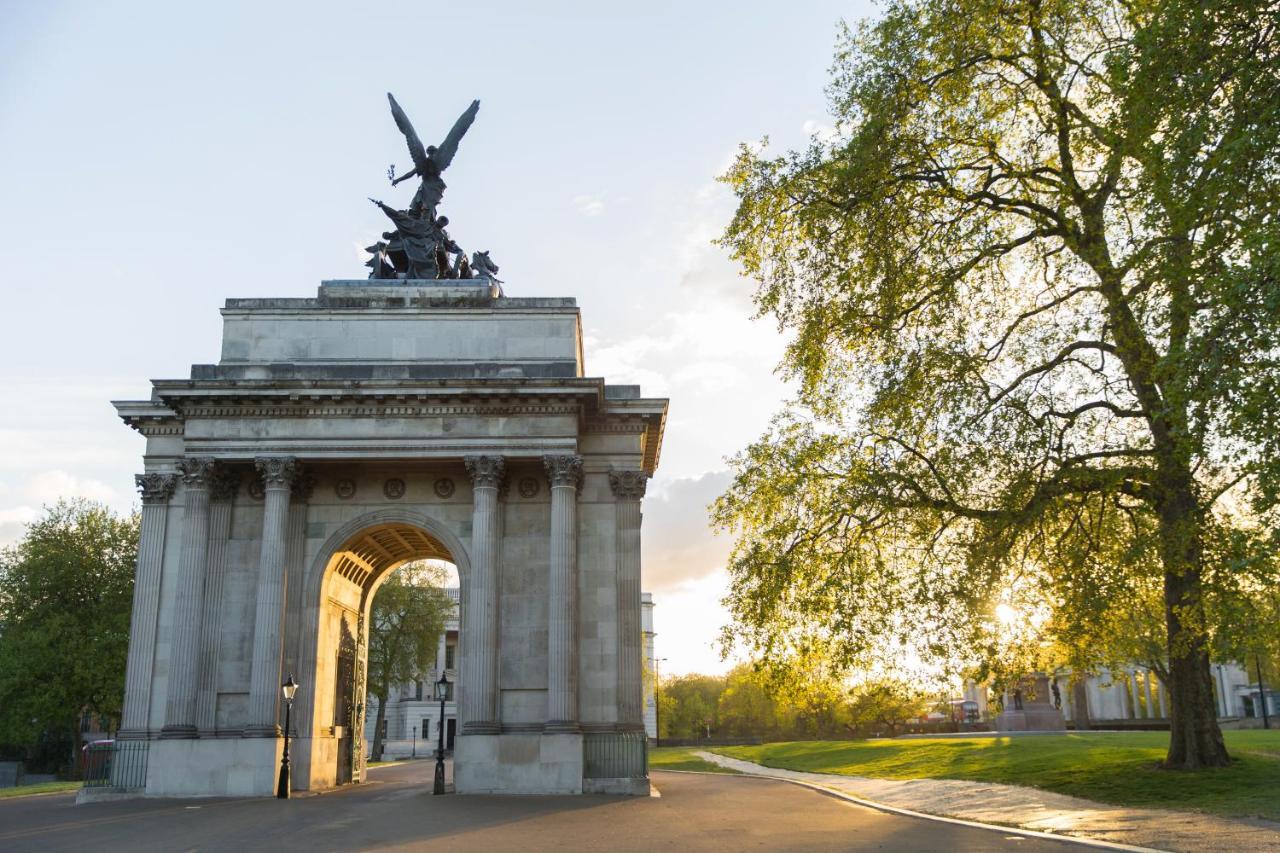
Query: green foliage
[(66, 591), (750, 702), (1111, 767), (1031, 291), (688, 702), (883, 705), (409, 613)]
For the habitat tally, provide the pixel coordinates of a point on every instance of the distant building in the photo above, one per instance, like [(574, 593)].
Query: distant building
[(1133, 693), (650, 685)]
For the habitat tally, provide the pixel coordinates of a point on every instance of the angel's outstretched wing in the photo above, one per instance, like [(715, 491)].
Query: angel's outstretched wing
[(444, 154), (416, 151)]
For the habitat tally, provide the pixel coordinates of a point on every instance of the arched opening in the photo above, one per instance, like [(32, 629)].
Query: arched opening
[(347, 574)]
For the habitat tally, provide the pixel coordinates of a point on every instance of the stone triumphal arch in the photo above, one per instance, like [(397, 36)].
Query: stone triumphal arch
[(339, 437)]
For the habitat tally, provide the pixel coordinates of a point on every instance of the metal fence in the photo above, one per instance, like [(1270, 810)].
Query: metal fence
[(121, 764), (614, 755)]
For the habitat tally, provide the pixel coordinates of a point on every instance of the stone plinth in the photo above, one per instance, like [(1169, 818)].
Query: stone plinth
[(1035, 715), (518, 763)]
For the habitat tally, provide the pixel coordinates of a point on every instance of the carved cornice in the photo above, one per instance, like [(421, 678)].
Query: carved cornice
[(486, 471), (564, 470), (156, 487), (197, 471), (277, 472), (628, 485), (225, 484), (355, 410)]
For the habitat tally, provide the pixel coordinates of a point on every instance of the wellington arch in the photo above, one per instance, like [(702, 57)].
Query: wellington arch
[(339, 437)]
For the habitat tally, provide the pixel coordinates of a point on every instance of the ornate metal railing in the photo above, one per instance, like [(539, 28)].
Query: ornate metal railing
[(121, 764), (614, 755)]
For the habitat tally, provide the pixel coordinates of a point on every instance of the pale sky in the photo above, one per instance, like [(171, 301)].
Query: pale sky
[(157, 158)]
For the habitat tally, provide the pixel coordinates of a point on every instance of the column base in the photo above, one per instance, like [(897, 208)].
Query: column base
[(562, 727), (481, 728), (262, 731), (180, 731)]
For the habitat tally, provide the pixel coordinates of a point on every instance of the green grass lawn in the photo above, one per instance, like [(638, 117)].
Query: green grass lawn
[(39, 788), (1116, 768), (681, 758)]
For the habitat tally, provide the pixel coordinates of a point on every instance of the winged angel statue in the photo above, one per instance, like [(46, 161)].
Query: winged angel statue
[(420, 248)]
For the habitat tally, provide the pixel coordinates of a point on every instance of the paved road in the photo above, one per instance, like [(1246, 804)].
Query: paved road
[(397, 812)]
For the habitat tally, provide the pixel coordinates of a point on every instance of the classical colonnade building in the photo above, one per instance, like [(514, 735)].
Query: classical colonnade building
[(339, 437)]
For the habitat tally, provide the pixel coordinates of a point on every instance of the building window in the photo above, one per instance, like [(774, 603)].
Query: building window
[(448, 656), (417, 691)]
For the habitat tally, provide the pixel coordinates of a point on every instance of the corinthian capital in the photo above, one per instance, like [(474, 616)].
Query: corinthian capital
[(486, 470), (156, 487), (277, 471), (197, 471), (564, 470), (628, 485)]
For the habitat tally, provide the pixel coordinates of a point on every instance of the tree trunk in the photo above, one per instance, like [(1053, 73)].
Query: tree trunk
[(1195, 740), (375, 753), (1080, 703)]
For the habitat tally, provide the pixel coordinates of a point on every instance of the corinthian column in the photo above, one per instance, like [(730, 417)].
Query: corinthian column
[(222, 492), (565, 473), (184, 654), (156, 489), (628, 488), (479, 680), (264, 679)]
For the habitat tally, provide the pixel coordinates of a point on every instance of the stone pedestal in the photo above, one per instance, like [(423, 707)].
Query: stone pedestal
[(1035, 715), (518, 763)]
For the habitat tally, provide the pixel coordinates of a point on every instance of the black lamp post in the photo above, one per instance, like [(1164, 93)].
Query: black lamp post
[(442, 692), (415, 740), (289, 688)]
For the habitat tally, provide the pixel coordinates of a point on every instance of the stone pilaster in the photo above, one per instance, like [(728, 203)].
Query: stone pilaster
[(479, 678), (628, 489), (278, 473), (156, 489), (222, 492), (188, 601), (565, 474)]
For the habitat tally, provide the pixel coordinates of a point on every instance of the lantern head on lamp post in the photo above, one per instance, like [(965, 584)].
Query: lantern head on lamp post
[(442, 693), (289, 688)]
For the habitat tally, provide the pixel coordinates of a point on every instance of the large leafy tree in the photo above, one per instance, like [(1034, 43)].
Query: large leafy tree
[(65, 594), (409, 613), (1031, 282)]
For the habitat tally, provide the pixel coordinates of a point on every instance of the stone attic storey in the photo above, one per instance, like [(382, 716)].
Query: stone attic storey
[(339, 437)]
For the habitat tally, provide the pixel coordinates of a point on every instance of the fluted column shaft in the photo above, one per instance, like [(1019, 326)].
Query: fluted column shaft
[(264, 680), (221, 494), (565, 473), (479, 679), (628, 489), (1146, 690), (156, 488), (188, 601)]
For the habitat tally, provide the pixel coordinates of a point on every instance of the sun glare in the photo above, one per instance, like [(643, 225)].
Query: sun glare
[(1006, 613)]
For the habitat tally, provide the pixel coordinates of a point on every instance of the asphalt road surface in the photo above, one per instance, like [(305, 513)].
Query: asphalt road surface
[(396, 811)]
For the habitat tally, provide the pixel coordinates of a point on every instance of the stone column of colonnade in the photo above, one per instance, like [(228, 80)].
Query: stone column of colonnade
[(565, 474), (188, 600), (222, 492), (156, 489), (479, 678), (277, 473), (628, 488)]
